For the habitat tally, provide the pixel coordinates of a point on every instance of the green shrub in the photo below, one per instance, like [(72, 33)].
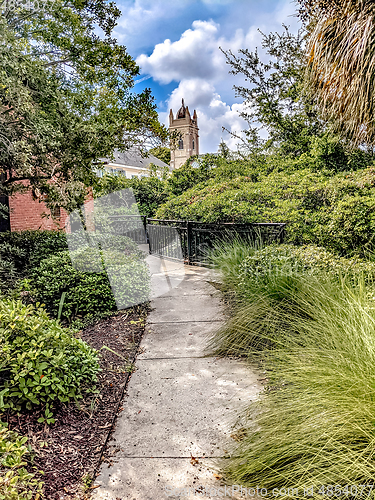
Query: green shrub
[(8, 275), (274, 260), (26, 249), (15, 482), (41, 362), (149, 192), (22, 251), (87, 290)]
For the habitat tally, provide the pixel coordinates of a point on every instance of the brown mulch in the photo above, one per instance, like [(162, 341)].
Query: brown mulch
[(70, 450)]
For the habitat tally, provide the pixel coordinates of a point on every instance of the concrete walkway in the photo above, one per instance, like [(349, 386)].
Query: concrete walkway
[(179, 404)]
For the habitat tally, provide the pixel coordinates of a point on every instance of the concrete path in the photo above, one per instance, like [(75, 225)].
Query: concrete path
[(179, 404)]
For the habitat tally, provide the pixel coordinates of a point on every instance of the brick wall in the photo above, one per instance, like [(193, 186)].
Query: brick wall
[(28, 213)]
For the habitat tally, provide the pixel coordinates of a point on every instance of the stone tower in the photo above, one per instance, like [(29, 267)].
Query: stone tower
[(188, 143)]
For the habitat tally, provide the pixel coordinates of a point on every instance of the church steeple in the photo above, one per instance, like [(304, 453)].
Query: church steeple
[(187, 128), (182, 111)]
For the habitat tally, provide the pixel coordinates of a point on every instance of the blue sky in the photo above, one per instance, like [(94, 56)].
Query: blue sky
[(176, 44)]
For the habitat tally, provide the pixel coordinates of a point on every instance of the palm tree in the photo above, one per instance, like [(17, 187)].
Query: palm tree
[(341, 63)]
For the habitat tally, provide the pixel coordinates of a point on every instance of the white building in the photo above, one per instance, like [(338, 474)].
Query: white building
[(130, 164)]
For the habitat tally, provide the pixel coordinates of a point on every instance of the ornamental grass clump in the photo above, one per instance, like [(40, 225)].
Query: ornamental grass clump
[(312, 429), (315, 424), (228, 259)]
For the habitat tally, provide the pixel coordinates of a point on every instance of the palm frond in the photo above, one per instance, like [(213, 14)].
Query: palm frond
[(341, 64)]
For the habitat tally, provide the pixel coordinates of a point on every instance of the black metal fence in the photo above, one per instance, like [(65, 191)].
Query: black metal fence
[(191, 241), (132, 226)]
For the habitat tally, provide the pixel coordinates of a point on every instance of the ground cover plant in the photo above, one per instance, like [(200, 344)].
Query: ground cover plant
[(313, 333), (16, 483), (70, 450)]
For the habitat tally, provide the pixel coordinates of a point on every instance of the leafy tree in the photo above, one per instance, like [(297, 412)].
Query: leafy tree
[(341, 64), (191, 173), (210, 166), (162, 152), (149, 192), (275, 98), (66, 99)]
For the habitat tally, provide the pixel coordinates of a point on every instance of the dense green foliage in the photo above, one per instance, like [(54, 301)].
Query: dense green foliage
[(191, 173), (41, 362), (161, 152), (312, 331), (335, 211), (95, 284), (149, 192), (15, 482), (20, 251)]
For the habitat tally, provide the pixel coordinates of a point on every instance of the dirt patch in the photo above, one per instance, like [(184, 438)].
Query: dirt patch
[(69, 450)]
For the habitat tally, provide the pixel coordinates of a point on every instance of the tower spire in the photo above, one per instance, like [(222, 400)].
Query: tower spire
[(187, 129)]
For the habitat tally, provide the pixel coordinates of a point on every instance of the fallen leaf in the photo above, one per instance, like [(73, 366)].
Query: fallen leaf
[(239, 435)]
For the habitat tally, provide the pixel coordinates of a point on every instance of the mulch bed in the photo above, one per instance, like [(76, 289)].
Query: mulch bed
[(70, 450)]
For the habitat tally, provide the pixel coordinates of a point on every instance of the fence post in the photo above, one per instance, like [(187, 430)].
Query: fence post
[(147, 237), (144, 220), (188, 236), (282, 234)]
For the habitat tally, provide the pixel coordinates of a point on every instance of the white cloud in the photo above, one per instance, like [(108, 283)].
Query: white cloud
[(195, 62), (193, 55), (196, 92)]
